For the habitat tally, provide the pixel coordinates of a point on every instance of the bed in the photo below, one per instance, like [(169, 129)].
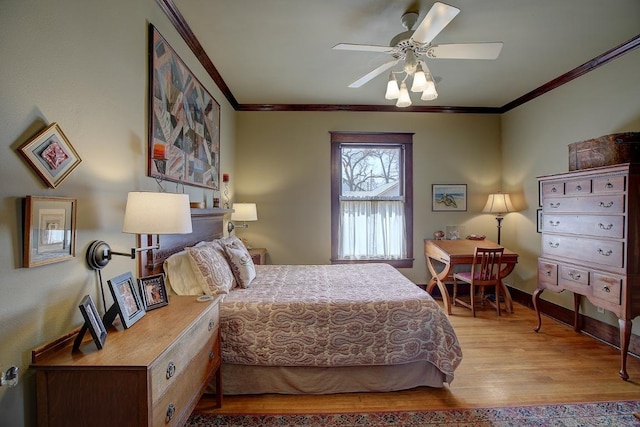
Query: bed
[(310, 329)]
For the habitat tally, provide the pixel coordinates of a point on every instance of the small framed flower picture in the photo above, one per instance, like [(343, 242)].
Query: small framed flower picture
[(51, 155)]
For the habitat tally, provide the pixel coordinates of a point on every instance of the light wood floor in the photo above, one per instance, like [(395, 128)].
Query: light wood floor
[(504, 363)]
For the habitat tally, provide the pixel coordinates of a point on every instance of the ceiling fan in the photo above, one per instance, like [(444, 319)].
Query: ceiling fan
[(413, 47)]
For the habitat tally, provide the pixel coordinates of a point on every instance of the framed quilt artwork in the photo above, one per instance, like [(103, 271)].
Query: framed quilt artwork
[(184, 121), (51, 155)]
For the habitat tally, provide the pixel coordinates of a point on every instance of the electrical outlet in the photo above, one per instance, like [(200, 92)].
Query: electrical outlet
[(600, 310)]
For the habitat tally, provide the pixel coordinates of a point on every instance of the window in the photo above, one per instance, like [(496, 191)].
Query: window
[(372, 198)]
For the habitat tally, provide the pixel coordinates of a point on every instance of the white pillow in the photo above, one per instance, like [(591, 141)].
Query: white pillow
[(211, 269), (179, 273), (241, 265)]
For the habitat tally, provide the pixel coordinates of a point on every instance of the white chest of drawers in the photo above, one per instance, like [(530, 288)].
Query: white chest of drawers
[(591, 242)]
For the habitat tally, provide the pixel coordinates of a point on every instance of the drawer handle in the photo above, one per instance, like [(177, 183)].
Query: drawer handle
[(171, 369), (608, 185), (605, 227), (554, 190), (606, 289), (211, 324), (578, 187), (554, 245), (603, 253), (554, 224), (554, 205), (212, 355), (606, 205), (547, 273), (171, 411), (574, 275)]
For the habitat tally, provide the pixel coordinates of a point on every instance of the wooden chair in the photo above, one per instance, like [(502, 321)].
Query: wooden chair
[(485, 271)]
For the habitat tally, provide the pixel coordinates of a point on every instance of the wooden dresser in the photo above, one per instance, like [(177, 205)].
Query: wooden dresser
[(152, 374), (591, 242)]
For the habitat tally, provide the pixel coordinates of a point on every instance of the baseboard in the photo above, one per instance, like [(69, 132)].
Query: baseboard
[(597, 329)]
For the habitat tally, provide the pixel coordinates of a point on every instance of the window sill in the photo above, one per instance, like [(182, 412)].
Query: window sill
[(397, 263)]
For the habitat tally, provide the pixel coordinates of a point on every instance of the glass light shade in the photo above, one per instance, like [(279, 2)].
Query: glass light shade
[(157, 213), (430, 92), (244, 212), (419, 81), (403, 100), (410, 62), (392, 88), (498, 203)]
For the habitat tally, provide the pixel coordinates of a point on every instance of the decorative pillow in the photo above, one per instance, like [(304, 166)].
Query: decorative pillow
[(241, 264), (211, 269), (179, 274)]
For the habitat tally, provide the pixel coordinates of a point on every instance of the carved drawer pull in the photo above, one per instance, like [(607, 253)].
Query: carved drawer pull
[(603, 253), (605, 227), (578, 187), (574, 275), (554, 223), (211, 324), (554, 205), (606, 205), (171, 369), (608, 185), (547, 273), (171, 411), (606, 289), (554, 245), (554, 190)]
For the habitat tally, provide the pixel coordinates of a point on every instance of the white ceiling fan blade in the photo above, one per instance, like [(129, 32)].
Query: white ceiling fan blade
[(363, 47), (465, 51), (364, 79), (437, 18)]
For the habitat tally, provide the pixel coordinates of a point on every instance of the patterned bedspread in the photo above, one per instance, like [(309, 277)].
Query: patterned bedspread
[(335, 315)]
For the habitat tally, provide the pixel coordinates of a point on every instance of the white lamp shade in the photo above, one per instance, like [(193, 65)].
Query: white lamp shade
[(244, 212), (498, 203), (157, 213), (419, 81), (403, 100), (430, 92), (392, 88)]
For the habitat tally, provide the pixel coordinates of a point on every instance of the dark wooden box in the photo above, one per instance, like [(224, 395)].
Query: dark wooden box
[(604, 151)]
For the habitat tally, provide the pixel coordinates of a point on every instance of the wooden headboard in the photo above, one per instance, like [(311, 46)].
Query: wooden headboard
[(207, 225)]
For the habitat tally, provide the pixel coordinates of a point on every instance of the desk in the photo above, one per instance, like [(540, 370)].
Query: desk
[(449, 253)]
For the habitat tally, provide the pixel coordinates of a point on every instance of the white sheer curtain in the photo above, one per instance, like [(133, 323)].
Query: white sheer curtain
[(372, 229)]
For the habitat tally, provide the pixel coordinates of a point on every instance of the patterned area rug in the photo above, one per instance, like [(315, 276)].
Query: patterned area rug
[(618, 414)]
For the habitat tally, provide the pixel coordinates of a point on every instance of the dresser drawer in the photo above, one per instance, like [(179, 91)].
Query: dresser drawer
[(610, 204), (547, 273), (574, 279), (169, 409), (552, 188), (577, 186), (609, 184), (592, 225), (173, 362), (607, 287), (603, 252)]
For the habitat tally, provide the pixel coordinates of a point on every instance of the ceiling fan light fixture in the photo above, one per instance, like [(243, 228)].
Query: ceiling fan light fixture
[(403, 99), (393, 91), (410, 62), (419, 80), (430, 93)]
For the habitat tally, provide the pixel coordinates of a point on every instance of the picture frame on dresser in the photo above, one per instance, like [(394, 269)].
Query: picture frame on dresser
[(92, 323), (539, 219), (153, 291), (126, 301), (49, 230)]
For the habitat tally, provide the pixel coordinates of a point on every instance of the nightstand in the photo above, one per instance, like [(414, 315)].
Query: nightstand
[(258, 255)]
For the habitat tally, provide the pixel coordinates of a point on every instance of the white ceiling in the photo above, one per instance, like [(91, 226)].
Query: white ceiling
[(279, 51)]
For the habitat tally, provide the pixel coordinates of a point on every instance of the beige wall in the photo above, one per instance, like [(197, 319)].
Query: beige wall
[(284, 166), (82, 64), (535, 139)]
